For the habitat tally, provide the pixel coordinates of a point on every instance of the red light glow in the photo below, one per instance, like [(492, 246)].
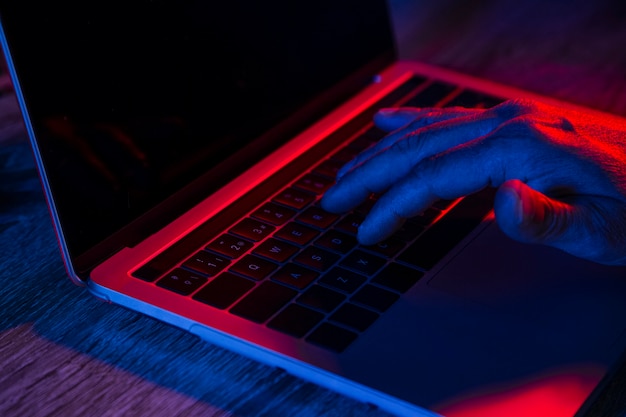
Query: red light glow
[(555, 395)]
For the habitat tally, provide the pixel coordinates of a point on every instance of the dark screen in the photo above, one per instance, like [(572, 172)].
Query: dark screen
[(131, 101)]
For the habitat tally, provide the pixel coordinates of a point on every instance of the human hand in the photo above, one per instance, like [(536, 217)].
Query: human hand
[(560, 173)]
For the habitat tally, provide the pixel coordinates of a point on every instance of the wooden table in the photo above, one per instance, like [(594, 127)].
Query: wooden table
[(62, 352)]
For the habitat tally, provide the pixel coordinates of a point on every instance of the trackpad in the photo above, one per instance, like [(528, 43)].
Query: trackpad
[(548, 287)]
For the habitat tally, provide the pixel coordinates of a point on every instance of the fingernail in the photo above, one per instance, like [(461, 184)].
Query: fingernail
[(343, 171), (515, 191), (387, 112)]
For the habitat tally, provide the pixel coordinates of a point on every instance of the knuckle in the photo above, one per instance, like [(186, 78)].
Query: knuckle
[(516, 107), (523, 126), (410, 143), (422, 119), (565, 124), (426, 170)]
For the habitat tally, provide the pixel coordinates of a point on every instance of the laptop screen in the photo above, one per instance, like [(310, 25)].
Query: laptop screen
[(132, 101)]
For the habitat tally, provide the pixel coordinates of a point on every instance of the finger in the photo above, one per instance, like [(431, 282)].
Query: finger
[(390, 119), (380, 171), (587, 226), (406, 121), (527, 215), (579, 228), (395, 118), (461, 171)]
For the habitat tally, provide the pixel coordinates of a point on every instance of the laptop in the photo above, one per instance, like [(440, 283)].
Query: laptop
[(184, 148)]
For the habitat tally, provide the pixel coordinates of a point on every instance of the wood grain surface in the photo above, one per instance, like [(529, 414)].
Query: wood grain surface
[(64, 353), (571, 50)]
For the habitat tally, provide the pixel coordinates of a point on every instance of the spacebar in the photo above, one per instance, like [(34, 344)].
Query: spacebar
[(444, 235)]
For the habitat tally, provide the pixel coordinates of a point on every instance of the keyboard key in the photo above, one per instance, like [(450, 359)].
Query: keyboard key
[(343, 280), (263, 302), (316, 258), (276, 250), (397, 277), (431, 95), (336, 241), (345, 155), (363, 262), (229, 245), (297, 233), (294, 198), (158, 266), (182, 281), (364, 208), (254, 267), (408, 232), (425, 218), (295, 276), (274, 214), (206, 263), (365, 141), (375, 297), (442, 204), (149, 272), (354, 316), (474, 99), (317, 217), (444, 235), (350, 224), (224, 290), (252, 229), (321, 298), (295, 320), (314, 183), (332, 337), (373, 134), (328, 168), (388, 247)]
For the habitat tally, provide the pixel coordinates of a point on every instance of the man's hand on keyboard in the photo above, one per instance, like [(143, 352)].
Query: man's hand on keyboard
[(561, 174)]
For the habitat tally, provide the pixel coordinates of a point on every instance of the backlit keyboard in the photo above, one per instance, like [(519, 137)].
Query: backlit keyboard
[(295, 268)]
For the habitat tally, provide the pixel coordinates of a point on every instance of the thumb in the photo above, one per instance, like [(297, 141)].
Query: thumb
[(529, 216), (593, 230)]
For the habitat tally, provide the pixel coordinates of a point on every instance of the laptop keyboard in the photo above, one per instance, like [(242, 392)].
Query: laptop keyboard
[(293, 267)]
